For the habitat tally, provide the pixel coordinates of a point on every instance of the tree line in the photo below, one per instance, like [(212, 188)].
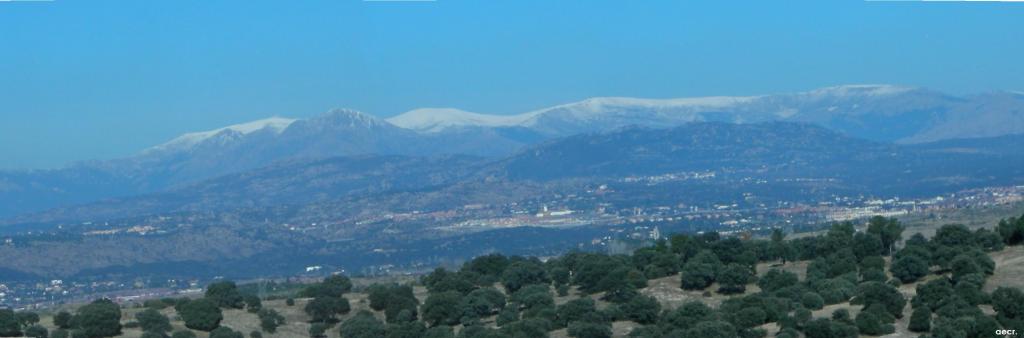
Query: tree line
[(501, 296)]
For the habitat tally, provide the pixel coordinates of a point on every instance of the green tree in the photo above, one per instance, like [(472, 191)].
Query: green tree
[(842, 315), (9, 326), (866, 244), (838, 237), (183, 334), (953, 235), (712, 329), (529, 327), (508, 314), (812, 300), (101, 318), (1008, 302), (841, 262), (776, 279), (780, 249), (820, 328), (62, 320), (930, 293), (408, 329), (225, 294), (253, 304), (642, 309), (399, 305), (590, 330), (888, 296), (533, 296), (920, 319), (620, 284), (750, 317), (574, 310), (156, 304), (1011, 230), (522, 273), (363, 325), (483, 302), (324, 309), (224, 332), (733, 278), (27, 318), (872, 262), (488, 265), (876, 275), (700, 272), (153, 321), (963, 265), (909, 269), (989, 240), (201, 314), (332, 286), (869, 324), (888, 230), (59, 333), (442, 308), (393, 298), (148, 334), (687, 315), (270, 320), (441, 280), (684, 245), (441, 331), (36, 331), (318, 330)]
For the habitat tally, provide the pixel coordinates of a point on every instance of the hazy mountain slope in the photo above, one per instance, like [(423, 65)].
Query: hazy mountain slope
[(735, 152), (22, 191), (797, 148), (999, 145), (288, 183), (874, 112), (307, 211), (197, 156), (773, 151)]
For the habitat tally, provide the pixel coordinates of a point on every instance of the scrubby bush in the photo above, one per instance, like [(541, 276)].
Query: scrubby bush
[(362, 325), (920, 319), (201, 314), (151, 320), (225, 294), (812, 300)]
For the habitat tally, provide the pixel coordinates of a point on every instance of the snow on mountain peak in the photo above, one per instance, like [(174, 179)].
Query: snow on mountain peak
[(601, 103), (437, 119), (273, 124), (860, 90)]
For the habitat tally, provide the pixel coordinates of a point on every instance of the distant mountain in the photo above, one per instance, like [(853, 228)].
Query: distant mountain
[(876, 112), (882, 113), (296, 182), (774, 151), (196, 156), (304, 211)]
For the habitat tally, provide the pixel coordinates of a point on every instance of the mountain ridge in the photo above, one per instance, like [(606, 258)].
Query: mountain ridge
[(885, 113)]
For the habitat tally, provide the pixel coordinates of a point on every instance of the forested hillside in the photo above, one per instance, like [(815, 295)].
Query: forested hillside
[(850, 281)]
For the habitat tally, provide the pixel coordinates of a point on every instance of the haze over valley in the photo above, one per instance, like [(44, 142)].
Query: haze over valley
[(434, 186)]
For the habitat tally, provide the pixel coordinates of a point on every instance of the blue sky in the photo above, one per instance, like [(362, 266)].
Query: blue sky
[(100, 79)]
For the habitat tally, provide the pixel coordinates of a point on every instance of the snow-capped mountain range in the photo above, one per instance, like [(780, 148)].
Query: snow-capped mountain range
[(877, 112), (883, 113)]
